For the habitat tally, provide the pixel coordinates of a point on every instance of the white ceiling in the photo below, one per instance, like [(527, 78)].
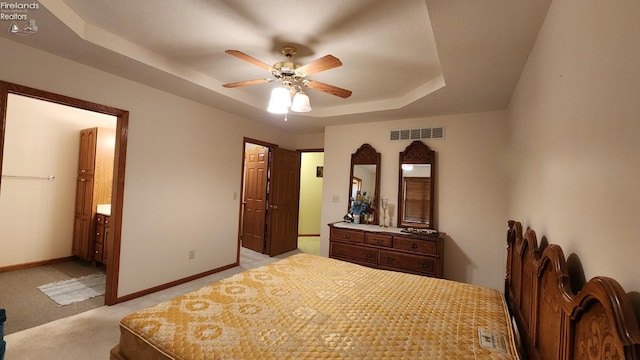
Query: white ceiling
[(401, 58)]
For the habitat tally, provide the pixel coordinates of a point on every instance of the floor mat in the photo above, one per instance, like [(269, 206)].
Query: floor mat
[(70, 291)]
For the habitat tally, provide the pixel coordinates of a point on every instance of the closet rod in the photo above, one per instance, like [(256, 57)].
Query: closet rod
[(50, 177)]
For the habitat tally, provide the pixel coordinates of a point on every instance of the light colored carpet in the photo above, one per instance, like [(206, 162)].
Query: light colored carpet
[(74, 290), (92, 334), (309, 244), (19, 294)]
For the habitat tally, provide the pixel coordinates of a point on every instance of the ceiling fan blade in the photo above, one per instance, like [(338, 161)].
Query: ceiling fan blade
[(247, 82), (329, 89), (324, 63), (245, 57)]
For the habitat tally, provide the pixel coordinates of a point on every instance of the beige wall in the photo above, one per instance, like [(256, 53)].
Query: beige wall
[(36, 216), (575, 122), (310, 193), (310, 141), (183, 173), (471, 188)]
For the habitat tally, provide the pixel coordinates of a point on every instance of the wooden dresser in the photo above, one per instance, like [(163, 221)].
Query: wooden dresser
[(102, 232), (387, 248)]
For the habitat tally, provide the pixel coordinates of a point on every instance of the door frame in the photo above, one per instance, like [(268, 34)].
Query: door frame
[(245, 141), (120, 154)]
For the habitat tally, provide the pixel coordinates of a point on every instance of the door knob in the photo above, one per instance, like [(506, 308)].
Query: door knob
[(274, 207)]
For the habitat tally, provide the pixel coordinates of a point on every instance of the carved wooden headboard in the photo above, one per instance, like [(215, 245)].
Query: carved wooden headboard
[(554, 323)]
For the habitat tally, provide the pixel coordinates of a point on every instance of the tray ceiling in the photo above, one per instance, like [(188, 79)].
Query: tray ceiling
[(401, 59)]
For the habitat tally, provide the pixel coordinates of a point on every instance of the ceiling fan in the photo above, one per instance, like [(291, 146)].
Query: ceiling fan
[(292, 77)]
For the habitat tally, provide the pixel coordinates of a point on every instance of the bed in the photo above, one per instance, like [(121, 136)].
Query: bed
[(559, 316), (311, 307)]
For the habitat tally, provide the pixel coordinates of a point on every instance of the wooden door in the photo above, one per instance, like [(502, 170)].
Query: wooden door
[(83, 219), (255, 198), (284, 197)]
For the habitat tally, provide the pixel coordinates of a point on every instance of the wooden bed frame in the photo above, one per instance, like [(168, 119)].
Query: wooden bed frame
[(554, 322)]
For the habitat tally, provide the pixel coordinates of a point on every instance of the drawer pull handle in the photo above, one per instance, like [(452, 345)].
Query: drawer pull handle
[(378, 241), (97, 234), (346, 236), (389, 259), (414, 245), (423, 265), (338, 250), (368, 255)]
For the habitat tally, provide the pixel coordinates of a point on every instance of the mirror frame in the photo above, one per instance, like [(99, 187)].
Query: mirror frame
[(366, 155), (417, 153)]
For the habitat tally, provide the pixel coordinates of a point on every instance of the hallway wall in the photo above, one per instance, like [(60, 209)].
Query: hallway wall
[(310, 194)]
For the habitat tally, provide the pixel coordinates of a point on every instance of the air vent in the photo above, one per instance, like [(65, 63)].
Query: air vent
[(417, 134)]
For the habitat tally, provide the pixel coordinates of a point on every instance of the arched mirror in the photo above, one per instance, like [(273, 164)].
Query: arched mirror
[(416, 186), (365, 176)]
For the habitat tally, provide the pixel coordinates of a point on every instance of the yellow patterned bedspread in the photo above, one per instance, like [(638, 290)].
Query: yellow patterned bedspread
[(311, 307)]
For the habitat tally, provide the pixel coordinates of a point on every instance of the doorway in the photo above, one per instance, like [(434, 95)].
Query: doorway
[(311, 181), (121, 116), (270, 198)]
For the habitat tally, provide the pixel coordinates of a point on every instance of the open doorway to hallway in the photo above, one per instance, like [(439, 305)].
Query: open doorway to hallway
[(311, 178), (259, 204), (270, 198)]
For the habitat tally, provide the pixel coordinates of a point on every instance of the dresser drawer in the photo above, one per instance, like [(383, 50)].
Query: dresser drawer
[(347, 235), (102, 219), (99, 252), (353, 252), (378, 239), (416, 245), (100, 233), (417, 264)]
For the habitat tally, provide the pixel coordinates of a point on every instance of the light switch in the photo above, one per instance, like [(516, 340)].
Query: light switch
[(336, 198)]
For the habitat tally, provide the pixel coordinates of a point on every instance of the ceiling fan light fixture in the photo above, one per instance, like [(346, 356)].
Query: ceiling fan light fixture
[(277, 110), (301, 102), (280, 100)]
